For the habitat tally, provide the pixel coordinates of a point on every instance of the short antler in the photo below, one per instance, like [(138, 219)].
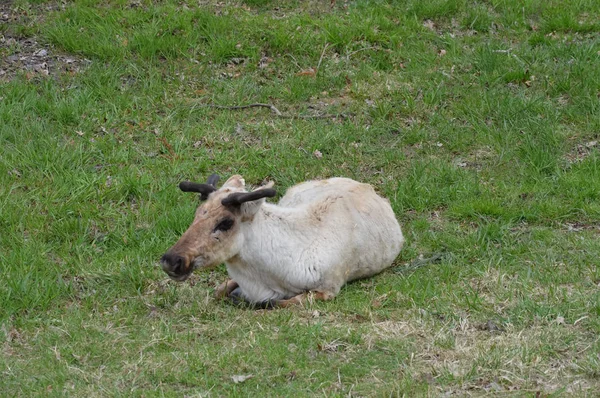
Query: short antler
[(213, 179), (237, 198), (203, 189)]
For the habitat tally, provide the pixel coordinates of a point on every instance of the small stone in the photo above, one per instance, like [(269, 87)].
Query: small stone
[(42, 68), (241, 378), (429, 24), (40, 53)]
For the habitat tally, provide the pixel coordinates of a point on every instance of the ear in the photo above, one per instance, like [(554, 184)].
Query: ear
[(235, 181), (249, 209)]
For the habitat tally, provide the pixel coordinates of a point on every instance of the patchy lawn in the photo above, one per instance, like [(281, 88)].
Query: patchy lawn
[(479, 120)]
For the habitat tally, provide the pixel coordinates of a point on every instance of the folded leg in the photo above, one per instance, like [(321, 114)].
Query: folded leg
[(225, 288), (302, 298)]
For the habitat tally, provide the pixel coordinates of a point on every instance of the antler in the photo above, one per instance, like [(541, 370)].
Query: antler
[(237, 198), (213, 179), (203, 189)]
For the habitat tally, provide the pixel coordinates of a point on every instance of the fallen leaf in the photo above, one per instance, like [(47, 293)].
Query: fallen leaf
[(307, 72), (241, 378)]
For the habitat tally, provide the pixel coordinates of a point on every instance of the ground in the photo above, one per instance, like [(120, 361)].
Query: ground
[(479, 120)]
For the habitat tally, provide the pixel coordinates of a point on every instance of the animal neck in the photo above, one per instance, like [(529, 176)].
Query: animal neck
[(274, 231)]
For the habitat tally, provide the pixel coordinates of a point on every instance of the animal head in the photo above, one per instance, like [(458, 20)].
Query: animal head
[(214, 236)]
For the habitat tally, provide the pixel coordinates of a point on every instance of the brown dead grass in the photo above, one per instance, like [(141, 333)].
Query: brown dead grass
[(481, 361)]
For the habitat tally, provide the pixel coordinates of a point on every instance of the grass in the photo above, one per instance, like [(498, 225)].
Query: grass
[(479, 120)]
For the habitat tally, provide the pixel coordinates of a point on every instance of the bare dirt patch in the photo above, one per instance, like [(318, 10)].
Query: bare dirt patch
[(581, 151), (26, 56)]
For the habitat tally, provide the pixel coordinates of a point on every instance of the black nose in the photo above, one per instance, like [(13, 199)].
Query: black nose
[(173, 263)]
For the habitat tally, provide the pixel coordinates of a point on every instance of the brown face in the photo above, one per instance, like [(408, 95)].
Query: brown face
[(209, 241), (214, 236)]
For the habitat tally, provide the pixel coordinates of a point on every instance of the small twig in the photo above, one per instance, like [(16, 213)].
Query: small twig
[(295, 60), (270, 106), (421, 262), (362, 49), (321, 59), (169, 147), (515, 56), (323, 116), (278, 113)]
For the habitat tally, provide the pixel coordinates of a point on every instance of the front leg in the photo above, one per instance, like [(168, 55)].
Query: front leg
[(302, 298), (225, 288)]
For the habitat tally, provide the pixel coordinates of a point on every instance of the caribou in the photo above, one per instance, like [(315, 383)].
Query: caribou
[(319, 236)]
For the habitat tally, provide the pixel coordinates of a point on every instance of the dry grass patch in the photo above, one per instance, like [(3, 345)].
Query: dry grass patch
[(465, 357)]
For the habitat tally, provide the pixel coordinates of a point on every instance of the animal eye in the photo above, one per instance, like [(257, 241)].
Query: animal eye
[(224, 225)]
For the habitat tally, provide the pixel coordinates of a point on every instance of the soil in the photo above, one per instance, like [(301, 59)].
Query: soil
[(30, 56)]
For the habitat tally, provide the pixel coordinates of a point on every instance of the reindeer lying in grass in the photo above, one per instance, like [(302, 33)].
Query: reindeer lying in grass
[(321, 235)]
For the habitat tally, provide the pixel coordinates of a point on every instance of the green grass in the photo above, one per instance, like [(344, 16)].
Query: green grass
[(477, 119)]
